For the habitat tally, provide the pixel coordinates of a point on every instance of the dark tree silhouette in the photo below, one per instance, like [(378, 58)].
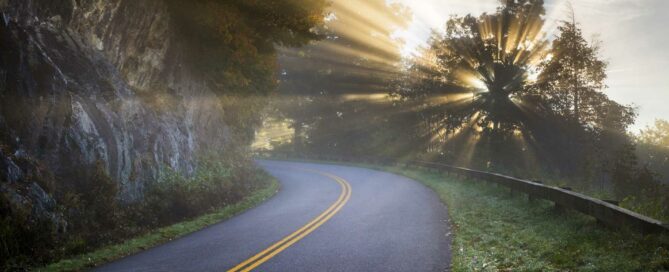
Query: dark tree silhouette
[(489, 58), (574, 75), (502, 73)]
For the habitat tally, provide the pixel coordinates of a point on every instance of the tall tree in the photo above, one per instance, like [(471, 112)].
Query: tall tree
[(574, 74), (232, 44), (653, 148), (488, 59), (657, 135), (494, 83)]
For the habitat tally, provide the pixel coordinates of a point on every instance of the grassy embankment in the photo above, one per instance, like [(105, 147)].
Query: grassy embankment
[(164, 234), (496, 230)]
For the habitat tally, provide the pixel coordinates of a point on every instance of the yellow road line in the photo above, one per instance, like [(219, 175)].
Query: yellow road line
[(291, 236), (294, 237)]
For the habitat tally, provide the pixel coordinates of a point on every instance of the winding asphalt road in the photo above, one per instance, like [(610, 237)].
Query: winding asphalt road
[(325, 218)]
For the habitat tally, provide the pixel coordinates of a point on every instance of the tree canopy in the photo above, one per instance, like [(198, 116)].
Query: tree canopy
[(657, 135), (483, 63), (232, 42), (357, 57), (501, 71)]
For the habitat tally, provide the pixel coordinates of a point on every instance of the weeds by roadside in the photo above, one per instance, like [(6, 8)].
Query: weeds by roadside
[(162, 235), (96, 218), (496, 230)]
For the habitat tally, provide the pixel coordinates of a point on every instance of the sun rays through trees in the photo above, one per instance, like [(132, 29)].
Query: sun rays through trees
[(508, 90), (492, 59), (499, 77)]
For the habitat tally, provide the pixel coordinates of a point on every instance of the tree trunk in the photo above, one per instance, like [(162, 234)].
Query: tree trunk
[(297, 137), (577, 112)]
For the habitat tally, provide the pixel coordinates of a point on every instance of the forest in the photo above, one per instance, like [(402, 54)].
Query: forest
[(490, 92)]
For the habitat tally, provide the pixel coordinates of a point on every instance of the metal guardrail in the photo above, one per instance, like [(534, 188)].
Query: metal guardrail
[(605, 212)]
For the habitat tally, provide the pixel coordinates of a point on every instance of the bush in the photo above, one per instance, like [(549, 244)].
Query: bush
[(21, 240), (88, 199), (175, 197), (652, 201)]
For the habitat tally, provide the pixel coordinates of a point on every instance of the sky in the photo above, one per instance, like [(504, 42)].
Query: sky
[(634, 37)]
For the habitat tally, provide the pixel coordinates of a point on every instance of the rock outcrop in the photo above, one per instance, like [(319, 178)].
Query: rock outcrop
[(93, 81)]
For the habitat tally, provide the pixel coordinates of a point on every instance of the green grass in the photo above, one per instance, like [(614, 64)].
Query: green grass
[(162, 235), (496, 230)]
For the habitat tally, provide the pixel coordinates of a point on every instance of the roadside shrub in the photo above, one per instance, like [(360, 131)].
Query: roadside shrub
[(175, 197), (88, 199), (653, 202), (22, 240), (27, 234)]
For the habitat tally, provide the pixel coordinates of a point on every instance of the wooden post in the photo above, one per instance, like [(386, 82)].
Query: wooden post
[(558, 208), (614, 202), (530, 198)]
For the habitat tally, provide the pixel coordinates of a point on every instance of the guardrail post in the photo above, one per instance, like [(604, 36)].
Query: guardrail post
[(559, 208), (602, 223), (512, 192), (530, 198)]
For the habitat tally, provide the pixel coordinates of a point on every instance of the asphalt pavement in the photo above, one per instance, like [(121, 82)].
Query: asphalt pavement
[(324, 218)]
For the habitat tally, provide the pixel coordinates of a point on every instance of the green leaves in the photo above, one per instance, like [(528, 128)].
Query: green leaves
[(232, 42), (495, 231)]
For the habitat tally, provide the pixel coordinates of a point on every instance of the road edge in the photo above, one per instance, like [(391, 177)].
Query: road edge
[(390, 170), (163, 235), (638, 252)]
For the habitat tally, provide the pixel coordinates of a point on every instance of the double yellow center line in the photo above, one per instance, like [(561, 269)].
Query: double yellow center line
[(291, 239)]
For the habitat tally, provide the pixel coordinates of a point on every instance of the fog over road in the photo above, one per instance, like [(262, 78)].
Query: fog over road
[(325, 218)]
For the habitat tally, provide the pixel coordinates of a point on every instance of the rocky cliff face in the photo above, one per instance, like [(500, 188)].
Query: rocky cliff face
[(97, 81)]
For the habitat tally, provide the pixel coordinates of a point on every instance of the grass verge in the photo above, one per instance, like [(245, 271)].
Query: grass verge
[(496, 230), (162, 235)]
